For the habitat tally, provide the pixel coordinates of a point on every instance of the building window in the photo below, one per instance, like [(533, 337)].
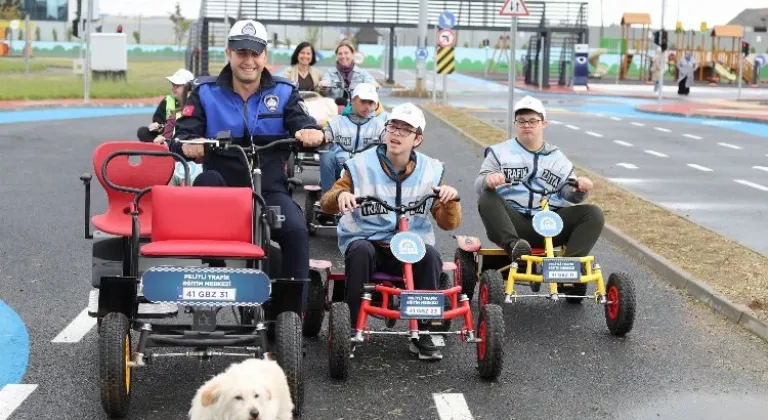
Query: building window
[(46, 9)]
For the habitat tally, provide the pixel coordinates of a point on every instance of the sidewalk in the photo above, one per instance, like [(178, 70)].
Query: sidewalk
[(78, 103), (720, 110)]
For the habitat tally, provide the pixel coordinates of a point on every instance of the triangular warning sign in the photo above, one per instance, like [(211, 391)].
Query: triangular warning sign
[(514, 8)]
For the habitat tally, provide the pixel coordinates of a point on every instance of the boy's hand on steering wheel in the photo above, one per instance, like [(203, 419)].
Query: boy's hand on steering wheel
[(584, 184), (159, 140), (193, 151), (154, 126), (347, 202), (446, 193), (310, 137), (494, 179)]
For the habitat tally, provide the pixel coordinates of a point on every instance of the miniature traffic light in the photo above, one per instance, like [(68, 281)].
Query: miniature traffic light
[(745, 48), (119, 29), (656, 37)]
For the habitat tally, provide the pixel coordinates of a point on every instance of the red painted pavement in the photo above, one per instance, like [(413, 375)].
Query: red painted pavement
[(757, 114)]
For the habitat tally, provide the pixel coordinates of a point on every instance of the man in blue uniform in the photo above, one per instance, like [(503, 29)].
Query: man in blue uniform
[(258, 108)]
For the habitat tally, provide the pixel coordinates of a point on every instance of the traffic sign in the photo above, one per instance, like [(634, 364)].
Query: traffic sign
[(422, 53), (446, 60), (446, 38), (446, 20), (14, 24), (359, 57), (514, 8)]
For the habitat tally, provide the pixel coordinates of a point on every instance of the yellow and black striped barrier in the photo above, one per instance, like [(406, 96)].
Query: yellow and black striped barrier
[(446, 60)]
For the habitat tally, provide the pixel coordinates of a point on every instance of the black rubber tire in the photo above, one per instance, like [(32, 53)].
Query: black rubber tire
[(620, 321), (290, 352), (446, 282), (490, 328), (491, 285), (313, 318), (114, 343), (339, 345), (309, 212), (579, 289), (466, 272)]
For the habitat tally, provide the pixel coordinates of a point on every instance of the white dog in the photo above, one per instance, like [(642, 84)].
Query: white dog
[(255, 389)]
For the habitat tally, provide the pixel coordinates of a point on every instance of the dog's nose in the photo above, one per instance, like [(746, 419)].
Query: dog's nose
[(254, 414)]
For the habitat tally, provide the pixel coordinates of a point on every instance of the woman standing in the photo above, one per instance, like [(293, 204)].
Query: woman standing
[(346, 73), (686, 68), (301, 71)]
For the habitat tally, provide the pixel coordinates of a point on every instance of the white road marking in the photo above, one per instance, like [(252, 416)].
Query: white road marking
[(556, 122), (452, 407), (616, 118), (752, 184), (622, 143), (761, 168), (666, 130), (638, 124), (699, 167), (77, 329), (691, 136), (626, 180), (12, 396), (627, 165), (572, 127), (592, 133), (732, 146), (600, 115), (655, 153)]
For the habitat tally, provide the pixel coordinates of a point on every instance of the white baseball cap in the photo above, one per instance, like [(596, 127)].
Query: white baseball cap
[(248, 35), (366, 91), (531, 103), (181, 77), (408, 113)]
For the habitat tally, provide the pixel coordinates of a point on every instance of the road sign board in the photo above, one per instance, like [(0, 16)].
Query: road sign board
[(422, 53), (446, 20), (446, 60), (446, 38), (514, 8)]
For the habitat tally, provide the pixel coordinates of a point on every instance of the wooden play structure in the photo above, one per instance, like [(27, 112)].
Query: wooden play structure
[(633, 45), (502, 49)]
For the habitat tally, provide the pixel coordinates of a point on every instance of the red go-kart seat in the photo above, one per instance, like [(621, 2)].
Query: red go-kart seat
[(200, 222), (150, 171)]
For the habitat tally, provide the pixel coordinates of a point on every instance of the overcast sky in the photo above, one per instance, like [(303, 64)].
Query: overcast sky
[(692, 12)]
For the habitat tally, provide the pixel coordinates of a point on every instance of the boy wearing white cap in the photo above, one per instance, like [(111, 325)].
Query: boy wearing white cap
[(507, 211), (392, 169), (351, 133), (168, 106)]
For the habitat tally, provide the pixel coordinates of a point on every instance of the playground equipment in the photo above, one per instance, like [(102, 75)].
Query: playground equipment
[(631, 46), (594, 60), (502, 49), (715, 64)]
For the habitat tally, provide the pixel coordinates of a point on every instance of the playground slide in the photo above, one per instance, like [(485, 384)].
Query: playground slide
[(722, 71), (594, 59)]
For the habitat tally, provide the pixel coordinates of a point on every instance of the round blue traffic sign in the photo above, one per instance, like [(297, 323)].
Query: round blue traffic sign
[(547, 223), (422, 53), (446, 20)]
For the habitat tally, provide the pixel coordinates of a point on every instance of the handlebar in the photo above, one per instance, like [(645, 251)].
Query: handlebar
[(401, 208), (370, 145), (218, 144), (187, 177)]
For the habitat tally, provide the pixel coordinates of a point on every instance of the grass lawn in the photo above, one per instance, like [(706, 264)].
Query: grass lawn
[(53, 79)]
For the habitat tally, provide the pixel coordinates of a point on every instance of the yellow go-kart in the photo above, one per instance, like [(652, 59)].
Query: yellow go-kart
[(566, 277)]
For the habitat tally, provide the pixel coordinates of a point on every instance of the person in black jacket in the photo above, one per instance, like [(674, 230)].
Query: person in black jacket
[(257, 108), (167, 107)]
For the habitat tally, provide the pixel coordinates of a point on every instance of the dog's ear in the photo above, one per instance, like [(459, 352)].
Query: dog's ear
[(210, 395)]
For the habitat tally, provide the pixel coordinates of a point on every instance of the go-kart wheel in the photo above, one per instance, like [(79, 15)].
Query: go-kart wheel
[(309, 212), (313, 318), (620, 312), (114, 356), (290, 169), (289, 348), (339, 345), (466, 272), (491, 288), (446, 282), (490, 350), (578, 289)]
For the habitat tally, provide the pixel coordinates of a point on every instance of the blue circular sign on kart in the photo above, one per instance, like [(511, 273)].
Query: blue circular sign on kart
[(547, 223), (408, 247)]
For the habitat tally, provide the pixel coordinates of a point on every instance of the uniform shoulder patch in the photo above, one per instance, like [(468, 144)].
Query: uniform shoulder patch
[(284, 80), (202, 80)]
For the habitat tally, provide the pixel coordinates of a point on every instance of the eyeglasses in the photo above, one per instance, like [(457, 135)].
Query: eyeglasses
[(403, 131), (532, 123)]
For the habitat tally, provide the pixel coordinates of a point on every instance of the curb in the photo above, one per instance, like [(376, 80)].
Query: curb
[(675, 276), (695, 115), (33, 106)]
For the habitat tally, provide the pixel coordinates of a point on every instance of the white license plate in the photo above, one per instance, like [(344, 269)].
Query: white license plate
[(208, 293), (424, 311)]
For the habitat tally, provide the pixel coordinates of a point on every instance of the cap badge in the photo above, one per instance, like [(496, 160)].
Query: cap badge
[(249, 29)]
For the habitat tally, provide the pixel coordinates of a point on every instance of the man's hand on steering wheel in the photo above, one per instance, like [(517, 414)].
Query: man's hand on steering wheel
[(193, 151), (310, 137), (154, 126)]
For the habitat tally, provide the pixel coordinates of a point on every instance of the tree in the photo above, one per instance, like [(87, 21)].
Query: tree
[(55, 35), (137, 36), (37, 34), (10, 9), (180, 25), (313, 35)]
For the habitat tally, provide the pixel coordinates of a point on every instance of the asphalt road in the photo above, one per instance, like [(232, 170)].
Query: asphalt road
[(560, 361), (715, 176)]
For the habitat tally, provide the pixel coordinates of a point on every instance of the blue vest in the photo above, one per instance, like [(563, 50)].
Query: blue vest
[(372, 222), (549, 169), (258, 120), (350, 136)]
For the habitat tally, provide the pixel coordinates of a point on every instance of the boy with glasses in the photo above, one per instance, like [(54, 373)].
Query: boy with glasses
[(392, 169), (507, 211)]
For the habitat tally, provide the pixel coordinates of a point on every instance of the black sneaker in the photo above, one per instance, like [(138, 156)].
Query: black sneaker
[(425, 348), (518, 249)]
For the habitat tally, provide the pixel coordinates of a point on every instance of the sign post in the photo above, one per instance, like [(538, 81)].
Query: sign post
[(445, 57), (513, 8)]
